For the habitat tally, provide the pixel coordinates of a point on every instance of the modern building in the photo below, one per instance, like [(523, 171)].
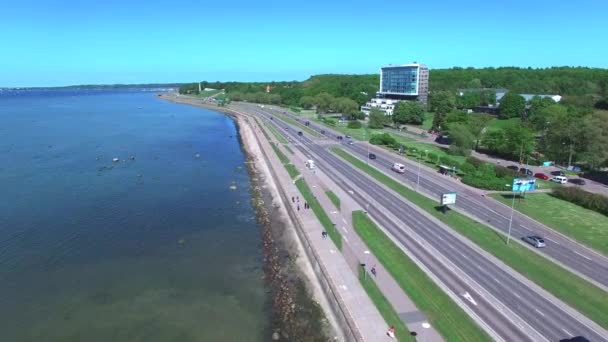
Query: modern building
[(397, 83), (528, 97)]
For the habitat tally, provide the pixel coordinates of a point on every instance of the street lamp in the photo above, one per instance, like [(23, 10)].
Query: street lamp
[(418, 180), (511, 218)]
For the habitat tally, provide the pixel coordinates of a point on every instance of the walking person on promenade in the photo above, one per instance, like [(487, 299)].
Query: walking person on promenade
[(374, 270), (391, 332), (293, 199), (324, 234), (298, 206)]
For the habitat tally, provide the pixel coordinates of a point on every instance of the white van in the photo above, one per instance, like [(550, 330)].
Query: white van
[(559, 179), (310, 164), (400, 168)]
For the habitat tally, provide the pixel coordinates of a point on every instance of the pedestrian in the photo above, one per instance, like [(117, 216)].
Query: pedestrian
[(324, 234), (293, 200), (391, 332), (374, 270), (298, 207)]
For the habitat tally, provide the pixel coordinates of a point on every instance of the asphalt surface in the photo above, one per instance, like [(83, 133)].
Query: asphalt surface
[(515, 311), (578, 258)]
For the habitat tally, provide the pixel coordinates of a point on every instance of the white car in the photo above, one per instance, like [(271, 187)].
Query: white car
[(399, 168), (559, 179)]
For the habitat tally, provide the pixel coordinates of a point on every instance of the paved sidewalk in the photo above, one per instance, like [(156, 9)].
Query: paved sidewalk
[(358, 305), (356, 252)]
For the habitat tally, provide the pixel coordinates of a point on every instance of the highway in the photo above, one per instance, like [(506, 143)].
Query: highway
[(512, 308), (577, 258)]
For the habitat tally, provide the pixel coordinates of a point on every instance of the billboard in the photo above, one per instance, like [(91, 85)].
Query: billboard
[(449, 198), (523, 185)]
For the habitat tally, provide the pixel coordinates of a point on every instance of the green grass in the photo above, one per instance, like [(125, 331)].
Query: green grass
[(420, 146), (276, 134), (361, 134), (565, 217), (207, 93), (445, 315), (291, 169), (288, 149), (428, 121), (384, 306), (297, 124), (331, 230), (497, 124), (578, 293), (333, 198)]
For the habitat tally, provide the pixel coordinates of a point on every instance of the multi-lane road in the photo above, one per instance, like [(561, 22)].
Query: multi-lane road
[(509, 306), (574, 256)]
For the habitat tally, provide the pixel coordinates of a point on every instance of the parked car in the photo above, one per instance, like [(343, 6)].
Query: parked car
[(399, 168), (558, 173), (525, 171), (372, 156), (535, 241), (513, 167), (559, 179), (577, 181), (541, 176)]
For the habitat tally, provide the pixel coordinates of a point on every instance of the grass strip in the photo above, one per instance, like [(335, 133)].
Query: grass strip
[(384, 306), (333, 198), (330, 228), (575, 291), (276, 134), (449, 319), (288, 149), (291, 169), (296, 123), (563, 216)]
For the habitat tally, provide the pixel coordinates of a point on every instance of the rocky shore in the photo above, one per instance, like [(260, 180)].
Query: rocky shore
[(296, 316)]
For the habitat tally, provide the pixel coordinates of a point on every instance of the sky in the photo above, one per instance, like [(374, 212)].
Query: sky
[(67, 42)]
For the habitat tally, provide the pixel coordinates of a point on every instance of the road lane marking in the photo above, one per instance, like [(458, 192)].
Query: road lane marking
[(343, 220), (345, 239), (496, 280), (468, 297), (584, 256), (344, 229), (540, 312), (552, 241), (567, 332), (516, 295)]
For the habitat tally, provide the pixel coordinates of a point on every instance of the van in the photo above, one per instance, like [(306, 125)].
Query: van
[(560, 179), (400, 168), (310, 164)]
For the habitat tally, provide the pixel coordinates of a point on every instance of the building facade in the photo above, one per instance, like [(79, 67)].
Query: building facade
[(397, 83)]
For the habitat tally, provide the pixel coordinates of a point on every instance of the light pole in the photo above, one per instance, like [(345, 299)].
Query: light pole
[(367, 144), (366, 262), (418, 178), (511, 218)]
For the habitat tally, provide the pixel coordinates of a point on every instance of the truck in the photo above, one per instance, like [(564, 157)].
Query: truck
[(310, 164)]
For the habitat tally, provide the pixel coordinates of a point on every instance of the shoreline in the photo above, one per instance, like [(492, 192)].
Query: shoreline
[(296, 309)]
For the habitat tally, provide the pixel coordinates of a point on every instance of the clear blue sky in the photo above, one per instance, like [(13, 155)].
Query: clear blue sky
[(48, 43)]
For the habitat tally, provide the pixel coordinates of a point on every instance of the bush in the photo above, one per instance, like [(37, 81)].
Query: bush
[(583, 198), (458, 151), (330, 121), (382, 139), (467, 168), (502, 171), (432, 157), (475, 162), (354, 124)]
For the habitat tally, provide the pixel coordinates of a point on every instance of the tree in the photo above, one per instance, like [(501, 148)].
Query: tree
[(377, 118), (512, 105), (346, 106), (356, 124), (307, 102), (477, 125), (487, 97), (518, 142), (462, 139), (441, 102), (408, 112), (469, 100), (324, 101)]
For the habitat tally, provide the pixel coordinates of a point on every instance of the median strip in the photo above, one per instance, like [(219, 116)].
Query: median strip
[(333, 198), (449, 319), (578, 293), (330, 228)]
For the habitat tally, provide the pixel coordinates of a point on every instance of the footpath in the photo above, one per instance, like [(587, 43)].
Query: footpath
[(343, 267)]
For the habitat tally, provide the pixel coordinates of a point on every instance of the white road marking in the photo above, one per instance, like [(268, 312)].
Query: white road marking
[(345, 239), (515, 294), (344, 229), (464, 256), (332, 251), (540, 312), (334, 212), (468, 297), (552, 241), (496, 280), (343, 220), (584, 256), (567, 332)]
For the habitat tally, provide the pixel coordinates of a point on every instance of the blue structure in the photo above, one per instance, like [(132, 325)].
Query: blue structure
[(523, 185)]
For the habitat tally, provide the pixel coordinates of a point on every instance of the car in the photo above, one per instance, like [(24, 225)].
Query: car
[(535, 241), (322, 131), (372, 156), (399, 168), (339, 137), (540, 175), (575, 339), (577, 181), (558, 173), (300, 133), (350, 142), (525, 171), (347, 136), (559, 179), (513, 167)]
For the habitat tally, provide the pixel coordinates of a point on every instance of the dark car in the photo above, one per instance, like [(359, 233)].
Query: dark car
[(558, 173), (322, 131), (575, 339), (577, 181), (372, 156), (300, 133), (526, 171), (513, 167), (339, 137), (541, 176)]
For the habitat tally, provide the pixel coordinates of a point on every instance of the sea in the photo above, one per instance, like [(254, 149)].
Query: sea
[(161, 245)]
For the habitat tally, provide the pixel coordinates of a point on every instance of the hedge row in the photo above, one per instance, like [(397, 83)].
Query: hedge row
[(583, 198), (385, 139), (487, 176)]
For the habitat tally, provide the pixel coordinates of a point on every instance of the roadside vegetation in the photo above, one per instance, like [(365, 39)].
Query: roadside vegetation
[(291, 169), (445, 315), (276, 134), (585, 199), (578, 293), (329, 226), (333, 198), (564, 217)]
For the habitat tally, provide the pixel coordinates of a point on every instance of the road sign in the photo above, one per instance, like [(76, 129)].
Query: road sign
[(524, 185), (449, 198)]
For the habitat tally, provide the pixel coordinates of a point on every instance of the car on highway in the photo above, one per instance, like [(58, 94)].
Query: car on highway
[(339, 137), (399, 168), (347, 136), (559, 179), (541, 175), (535, 241), (300, 133), (350, 142), (577, 181), (372, 156), (322, 131), (575, 339), (525, 171)]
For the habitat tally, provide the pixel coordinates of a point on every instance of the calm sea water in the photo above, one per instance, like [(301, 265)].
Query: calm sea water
[(153, 249)]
